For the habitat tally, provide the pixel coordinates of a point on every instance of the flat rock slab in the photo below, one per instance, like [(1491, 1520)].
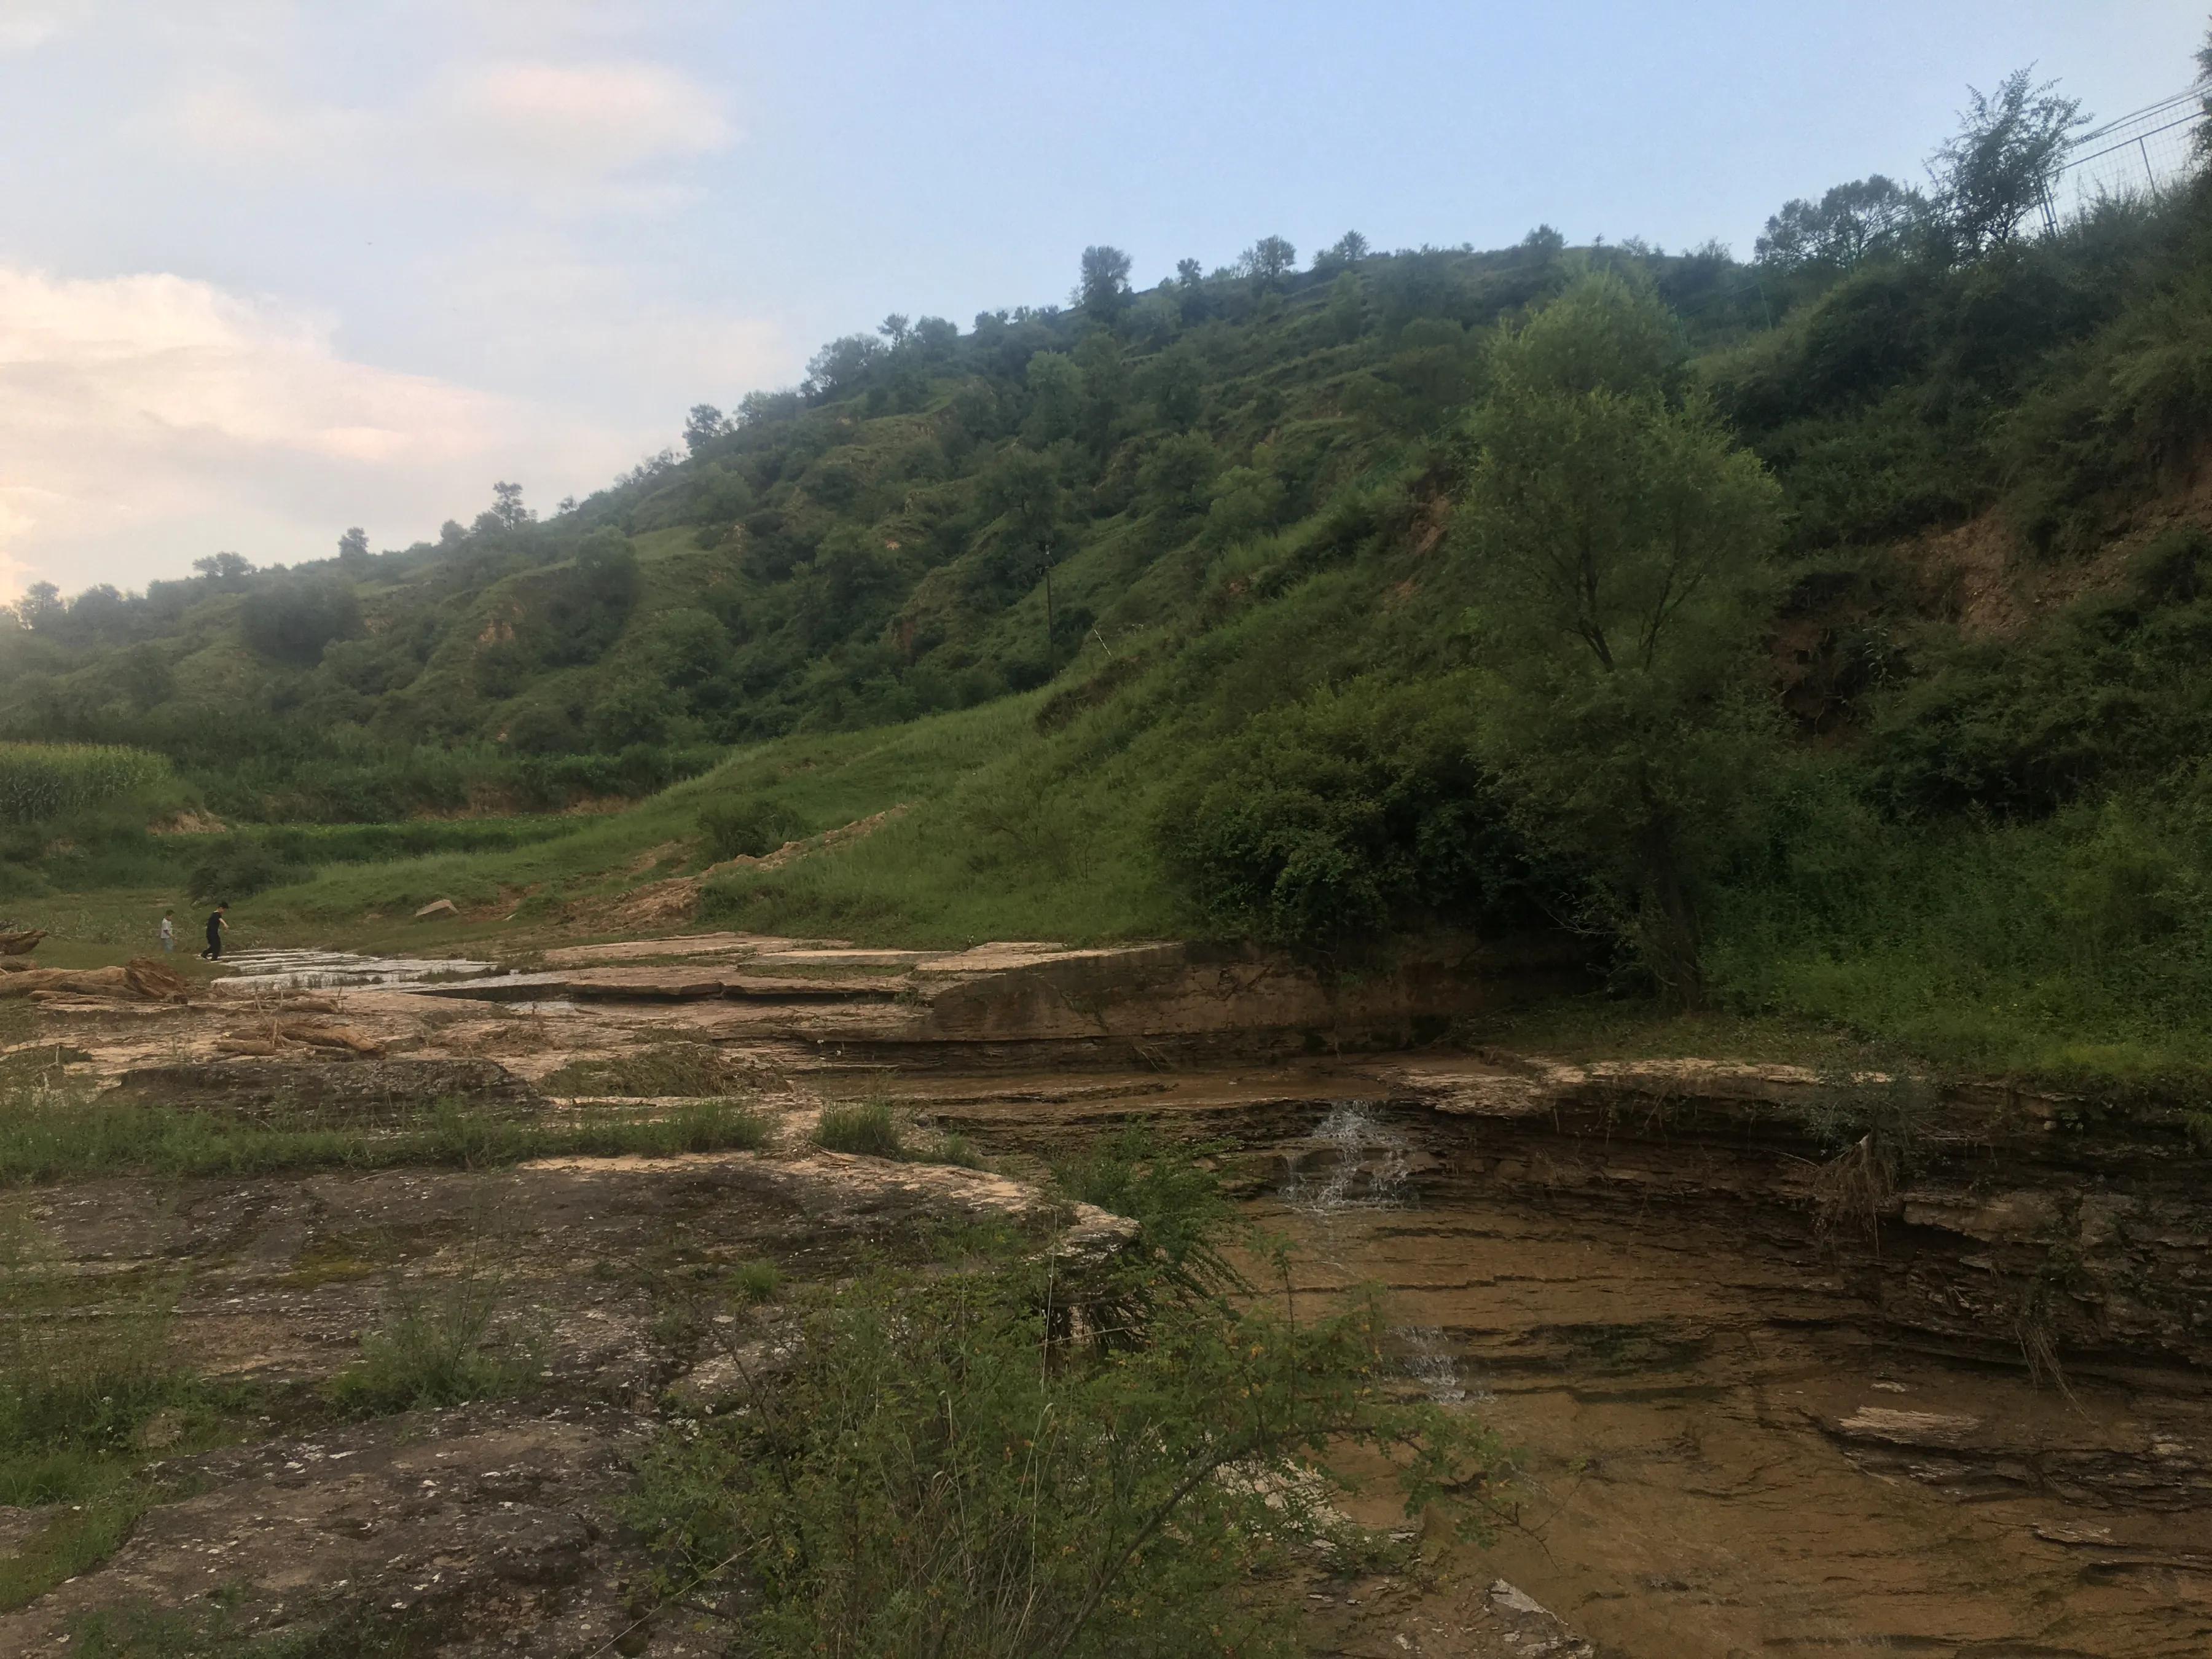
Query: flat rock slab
[(485, 1524)]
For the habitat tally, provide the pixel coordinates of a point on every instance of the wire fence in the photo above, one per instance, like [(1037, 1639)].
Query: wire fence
[(2144, 152)]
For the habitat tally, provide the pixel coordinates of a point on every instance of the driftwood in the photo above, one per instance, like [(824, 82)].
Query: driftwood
[(140, 981), (22, 943), (331, 1036)]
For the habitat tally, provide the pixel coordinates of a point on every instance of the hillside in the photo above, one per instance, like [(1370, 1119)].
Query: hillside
[(1223, 607)]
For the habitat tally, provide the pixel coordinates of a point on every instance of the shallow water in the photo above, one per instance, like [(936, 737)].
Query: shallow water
[(319, 971), (1672, 1386)]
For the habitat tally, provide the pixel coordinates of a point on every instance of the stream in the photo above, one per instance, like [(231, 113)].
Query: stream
[(1676, 1381)]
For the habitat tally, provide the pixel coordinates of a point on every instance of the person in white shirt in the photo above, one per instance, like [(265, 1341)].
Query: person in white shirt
[(168, 934)]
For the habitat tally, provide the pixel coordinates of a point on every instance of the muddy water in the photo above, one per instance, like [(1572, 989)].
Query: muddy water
[(1676, 1386)]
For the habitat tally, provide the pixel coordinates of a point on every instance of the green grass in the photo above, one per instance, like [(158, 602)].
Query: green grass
[(47, 1141), (666, 1070), (442, 1345), (867, 1128)]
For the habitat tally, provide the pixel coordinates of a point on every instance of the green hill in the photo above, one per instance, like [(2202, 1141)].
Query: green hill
[(1820, 634)]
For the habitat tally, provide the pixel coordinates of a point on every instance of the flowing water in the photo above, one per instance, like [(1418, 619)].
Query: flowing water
[(318, 970), (1680, 1390)]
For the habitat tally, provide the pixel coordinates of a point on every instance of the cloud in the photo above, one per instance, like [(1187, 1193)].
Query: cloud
[(561, 122), (26, 25), (568, 134), (143, 416)]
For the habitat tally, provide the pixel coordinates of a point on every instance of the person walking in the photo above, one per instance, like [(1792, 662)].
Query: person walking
[(168, 932), (217, 925)]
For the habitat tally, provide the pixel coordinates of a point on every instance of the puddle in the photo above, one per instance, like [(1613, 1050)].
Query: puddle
[(319, 971)]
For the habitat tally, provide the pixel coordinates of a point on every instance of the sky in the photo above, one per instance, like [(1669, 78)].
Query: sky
[(272, 268)]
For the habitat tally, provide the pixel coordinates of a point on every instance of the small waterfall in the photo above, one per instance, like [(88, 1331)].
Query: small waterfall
[(1430, 1361), (1363, 1164)]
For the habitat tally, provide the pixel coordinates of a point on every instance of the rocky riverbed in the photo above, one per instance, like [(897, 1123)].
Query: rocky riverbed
[(1795, 1362)]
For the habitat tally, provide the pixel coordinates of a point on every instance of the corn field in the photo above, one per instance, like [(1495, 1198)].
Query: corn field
[(42, 781)]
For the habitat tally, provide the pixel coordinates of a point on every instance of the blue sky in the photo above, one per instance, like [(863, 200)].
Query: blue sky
[(269, 269)]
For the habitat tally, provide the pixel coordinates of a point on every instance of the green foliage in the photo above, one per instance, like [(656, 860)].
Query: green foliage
[(293, 622), (664, 1070), (44, 781), (938, 1469), (44, 1136), (1352, 814), (1620, 539), (869, 1128), (239, 866), (442, 1344), (2109, 694)]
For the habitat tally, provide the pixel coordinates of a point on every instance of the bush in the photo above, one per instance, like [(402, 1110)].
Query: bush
[(866, 1128), (241, 867), (1334, 820), (442, 1346), (748, 829), (939, 1466)]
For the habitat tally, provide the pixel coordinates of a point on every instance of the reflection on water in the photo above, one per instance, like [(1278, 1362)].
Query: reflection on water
[(1351, 1161), (316, 970)]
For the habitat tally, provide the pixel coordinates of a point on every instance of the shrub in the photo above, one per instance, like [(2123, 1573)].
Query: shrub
[(240, 866), (442, 1346), (865, 1127), (938, 1466), (748, 829)]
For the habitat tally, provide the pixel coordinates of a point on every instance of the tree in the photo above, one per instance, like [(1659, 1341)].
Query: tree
[(1189, 273), (896, 329), (507, 507), (1055, 387), (1544, 242), (354, 544), (1348, 251), (2204, 133), (1850, 223), (290, 619), (1104, 289), (42, 607), (1268, 260), (1347, 308), (223, 569), (839, 367), (702, 426), (1619, 541), (2007, 153)]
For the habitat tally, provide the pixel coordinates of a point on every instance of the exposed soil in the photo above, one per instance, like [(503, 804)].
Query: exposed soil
[(1765, 1401)]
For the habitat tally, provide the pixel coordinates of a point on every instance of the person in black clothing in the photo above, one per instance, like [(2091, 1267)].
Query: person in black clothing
[(215, 926)]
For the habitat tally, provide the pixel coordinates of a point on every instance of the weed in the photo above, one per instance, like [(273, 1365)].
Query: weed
[(60, 1138), (665, 1071), (867, 1128), (442, 1345), (934, 1472), (756, 1280)]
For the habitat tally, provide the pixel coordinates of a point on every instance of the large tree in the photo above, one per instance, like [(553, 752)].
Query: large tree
[(1621, 542), (1104, 290), (2003, 160)]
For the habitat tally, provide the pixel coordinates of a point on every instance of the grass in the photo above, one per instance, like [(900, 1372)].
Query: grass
[(442, 1344), (866, 1128), (89, 1390), (666, 1070), (870, 1129), (64, 1138)]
